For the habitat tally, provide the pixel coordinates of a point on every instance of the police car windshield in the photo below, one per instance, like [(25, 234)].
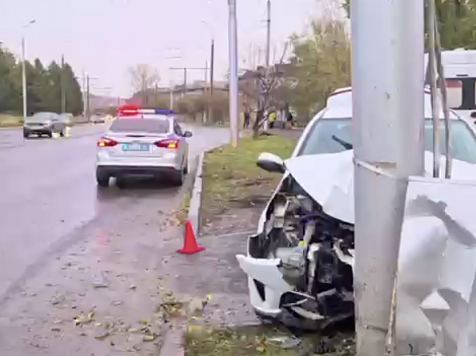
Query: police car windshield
[(335, 135), (142, 125)]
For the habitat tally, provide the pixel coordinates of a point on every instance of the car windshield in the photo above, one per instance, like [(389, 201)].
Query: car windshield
[(335, 135), (153, 126), (40, 117)]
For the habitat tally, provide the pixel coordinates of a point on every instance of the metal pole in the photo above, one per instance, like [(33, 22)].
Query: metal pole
[(388, 123), (23, 79), (233, 77), (212, 69), (88, 109), (268, 33), (435, 108), (83, 91), (184, 81), (62, 85)]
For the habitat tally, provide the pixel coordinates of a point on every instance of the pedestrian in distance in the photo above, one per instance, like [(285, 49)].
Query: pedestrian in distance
[(246, 121)]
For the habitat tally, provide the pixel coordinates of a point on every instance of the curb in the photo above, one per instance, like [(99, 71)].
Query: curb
[(196, 196)]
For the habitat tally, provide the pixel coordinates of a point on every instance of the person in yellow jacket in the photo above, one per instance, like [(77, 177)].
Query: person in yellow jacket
[(272, 119)]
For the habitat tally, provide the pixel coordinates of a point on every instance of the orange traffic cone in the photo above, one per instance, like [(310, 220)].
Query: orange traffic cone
[(190, 245)]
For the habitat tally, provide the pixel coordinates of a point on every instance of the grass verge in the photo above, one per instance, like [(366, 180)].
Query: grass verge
[(262, 340), (231, 177), (10, 121)]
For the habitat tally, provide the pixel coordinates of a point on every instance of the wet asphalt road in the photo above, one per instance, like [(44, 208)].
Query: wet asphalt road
[(48, 191)]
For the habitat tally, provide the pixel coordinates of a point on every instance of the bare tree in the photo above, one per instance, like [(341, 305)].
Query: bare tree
[(143, 78), (267, 79)]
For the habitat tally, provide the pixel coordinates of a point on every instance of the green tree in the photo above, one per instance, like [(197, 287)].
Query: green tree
[(321, 64), (43, 86), (9, 82), (74, 100), (456, 19)]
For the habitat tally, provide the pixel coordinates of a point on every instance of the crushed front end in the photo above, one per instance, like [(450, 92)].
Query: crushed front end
[(300, 263)]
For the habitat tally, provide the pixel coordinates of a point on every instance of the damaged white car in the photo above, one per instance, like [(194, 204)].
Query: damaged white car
[(300, 261)]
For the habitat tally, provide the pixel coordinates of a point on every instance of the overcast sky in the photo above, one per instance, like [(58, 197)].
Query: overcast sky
[(106, 37)]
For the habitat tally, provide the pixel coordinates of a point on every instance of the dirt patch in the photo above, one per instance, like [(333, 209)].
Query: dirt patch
[(235, 189)]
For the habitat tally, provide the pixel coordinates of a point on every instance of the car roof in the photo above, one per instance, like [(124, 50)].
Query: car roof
[(339, 105)]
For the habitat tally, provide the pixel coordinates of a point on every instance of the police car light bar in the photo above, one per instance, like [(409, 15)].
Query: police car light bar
[(131, 110)]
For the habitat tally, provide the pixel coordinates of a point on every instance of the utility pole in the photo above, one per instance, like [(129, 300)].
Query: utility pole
[(388, 112), (184, 82), (83, 91), (233, 77), (212, 68), (23, 72), (88, 109), (268, 33), (23, 79), (62, 85)]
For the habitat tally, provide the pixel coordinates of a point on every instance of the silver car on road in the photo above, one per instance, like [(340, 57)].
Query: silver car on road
[(143, 143), (44, 123)]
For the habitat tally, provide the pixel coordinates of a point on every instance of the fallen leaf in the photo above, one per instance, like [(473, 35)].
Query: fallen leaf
[(149, 337), (133, 287)]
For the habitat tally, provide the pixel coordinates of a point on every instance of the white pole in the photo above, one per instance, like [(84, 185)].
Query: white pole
[(388, 116), (233, 77), (23, 79)]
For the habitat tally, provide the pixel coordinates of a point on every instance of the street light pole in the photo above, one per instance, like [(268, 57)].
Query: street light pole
[(212, 69), (388, 113), (233, 75), (23, 70), (23, 79)]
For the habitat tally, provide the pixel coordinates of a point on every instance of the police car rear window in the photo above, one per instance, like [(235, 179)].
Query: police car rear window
[(141, 125)]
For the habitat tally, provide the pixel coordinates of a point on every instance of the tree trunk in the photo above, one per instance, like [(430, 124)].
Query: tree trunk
[(259, 117)]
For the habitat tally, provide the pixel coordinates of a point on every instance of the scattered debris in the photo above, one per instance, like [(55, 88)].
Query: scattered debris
[(84, 319), (100, 281), (57, 299)]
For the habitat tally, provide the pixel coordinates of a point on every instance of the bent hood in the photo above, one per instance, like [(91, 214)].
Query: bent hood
[(437, 256), (329, 179)]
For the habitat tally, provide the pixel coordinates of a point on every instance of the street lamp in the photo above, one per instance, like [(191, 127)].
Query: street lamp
[(212, 67), (25, 114)]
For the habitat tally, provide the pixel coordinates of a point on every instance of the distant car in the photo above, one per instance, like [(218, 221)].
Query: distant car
[(97, 119), (44, 123), (143, 143)]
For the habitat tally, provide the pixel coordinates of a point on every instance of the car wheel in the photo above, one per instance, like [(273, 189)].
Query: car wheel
[(102, 179), (178, 177), (50, 134), (61, 133), (26, 134)]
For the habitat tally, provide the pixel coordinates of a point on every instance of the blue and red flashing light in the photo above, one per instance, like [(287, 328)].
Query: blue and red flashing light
[(133, 110)]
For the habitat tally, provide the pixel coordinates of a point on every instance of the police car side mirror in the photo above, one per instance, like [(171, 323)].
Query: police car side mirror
[(187, 134)]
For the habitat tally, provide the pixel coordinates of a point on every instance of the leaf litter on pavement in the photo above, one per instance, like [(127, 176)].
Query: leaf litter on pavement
[(145, 329)]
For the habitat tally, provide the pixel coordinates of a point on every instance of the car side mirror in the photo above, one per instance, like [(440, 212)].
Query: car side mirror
[(271, 163), (187, 134)]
